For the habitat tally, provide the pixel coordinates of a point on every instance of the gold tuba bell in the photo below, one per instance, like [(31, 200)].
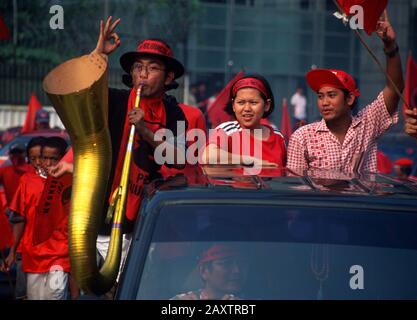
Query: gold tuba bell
[(78, 90)]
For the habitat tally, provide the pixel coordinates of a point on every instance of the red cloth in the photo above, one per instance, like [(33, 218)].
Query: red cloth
[(195, 119), (54, 252), (155, 118), (250, 83), (4, 30), (286, 129), (9, 178), (6, 234), (410, 91), (53, 208), (33, 106), (384, 164), (216, 113), (273, 149), (372, 10)]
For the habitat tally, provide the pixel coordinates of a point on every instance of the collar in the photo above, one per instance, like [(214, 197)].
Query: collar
[(322, 127)]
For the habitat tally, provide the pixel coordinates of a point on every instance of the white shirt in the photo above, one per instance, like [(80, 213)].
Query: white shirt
[(300, 103)]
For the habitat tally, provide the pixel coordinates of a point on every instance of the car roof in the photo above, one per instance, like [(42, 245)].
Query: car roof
[(326, 188)]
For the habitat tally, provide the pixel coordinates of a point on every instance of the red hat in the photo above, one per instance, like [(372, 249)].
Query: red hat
[(218, 251), (42, 116), (319, 78), (153, 48), (404, 162)]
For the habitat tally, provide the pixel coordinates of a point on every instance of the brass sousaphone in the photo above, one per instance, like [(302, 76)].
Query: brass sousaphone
[(78, 89)]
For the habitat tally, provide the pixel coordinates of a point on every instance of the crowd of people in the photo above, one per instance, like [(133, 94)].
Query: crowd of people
[(339, 141)]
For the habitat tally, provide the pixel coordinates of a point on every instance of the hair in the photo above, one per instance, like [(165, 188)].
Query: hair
[(57, 143), (406, 170), (34, 142), (354, 105), (229, 106)]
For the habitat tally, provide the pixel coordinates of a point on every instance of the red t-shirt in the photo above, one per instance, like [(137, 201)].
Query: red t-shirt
[(273, 148), (9, 178), (54, 251)]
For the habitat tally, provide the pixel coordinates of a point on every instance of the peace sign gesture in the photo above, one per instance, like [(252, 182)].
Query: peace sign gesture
[(105, 45)]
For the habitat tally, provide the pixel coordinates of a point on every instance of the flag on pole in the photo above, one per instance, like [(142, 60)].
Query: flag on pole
[(215, 112), (286, 129), (372, 11), (33, 106), (4, 30), (410, 91)]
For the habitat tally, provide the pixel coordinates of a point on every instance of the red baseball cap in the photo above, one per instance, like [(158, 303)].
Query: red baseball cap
[(319, 78), (404, 162), (153, 48)]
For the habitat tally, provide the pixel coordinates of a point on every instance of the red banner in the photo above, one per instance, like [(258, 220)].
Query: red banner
[(372, 11), (4, 30), (286, 129), (33, 106)]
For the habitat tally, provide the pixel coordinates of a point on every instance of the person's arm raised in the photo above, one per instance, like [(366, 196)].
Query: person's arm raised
[(108, 40)]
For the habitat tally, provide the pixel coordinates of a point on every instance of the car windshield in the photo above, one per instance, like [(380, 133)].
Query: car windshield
[(276, 252)]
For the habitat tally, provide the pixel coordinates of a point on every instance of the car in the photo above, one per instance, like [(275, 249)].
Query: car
[(304, 235), (9, 134), (26, 137)]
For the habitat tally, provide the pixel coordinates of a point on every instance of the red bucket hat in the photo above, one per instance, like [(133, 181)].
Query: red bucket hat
[(153, 48), (319, 78)]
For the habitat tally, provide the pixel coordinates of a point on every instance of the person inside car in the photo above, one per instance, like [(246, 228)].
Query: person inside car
[(223, 272)]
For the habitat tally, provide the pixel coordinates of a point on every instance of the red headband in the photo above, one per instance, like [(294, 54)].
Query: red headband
[(217, 252), (250, 83)]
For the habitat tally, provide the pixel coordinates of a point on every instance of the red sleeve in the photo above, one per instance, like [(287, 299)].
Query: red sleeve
[(18, 202)]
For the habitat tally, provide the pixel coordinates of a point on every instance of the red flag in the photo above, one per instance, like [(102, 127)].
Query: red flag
[(285, 121), (4, 30), (410, 91), (384, 164), (53, 208), (33, 106), (372, 11), (216, 113), (6, 234)]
